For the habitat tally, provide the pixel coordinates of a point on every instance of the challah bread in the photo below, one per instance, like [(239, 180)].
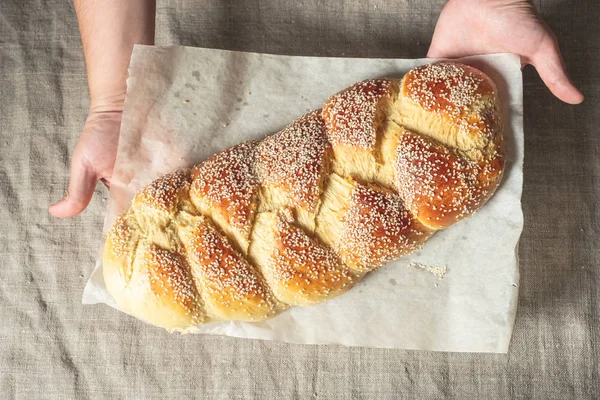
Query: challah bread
[(301, 216)]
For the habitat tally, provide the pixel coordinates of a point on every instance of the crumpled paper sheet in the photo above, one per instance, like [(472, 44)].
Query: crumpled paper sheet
[(185, 104)]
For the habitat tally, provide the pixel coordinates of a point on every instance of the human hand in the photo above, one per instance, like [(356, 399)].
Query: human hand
[(470, 27), (93, 159), (109, 31)]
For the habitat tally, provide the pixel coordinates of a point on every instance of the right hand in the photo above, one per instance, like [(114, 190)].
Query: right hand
[(469, 27), (93, 159)]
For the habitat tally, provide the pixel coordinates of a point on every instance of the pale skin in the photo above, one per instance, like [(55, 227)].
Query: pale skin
[(110, 28)]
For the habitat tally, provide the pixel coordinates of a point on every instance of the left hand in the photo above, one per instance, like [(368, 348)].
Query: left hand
[(470, 27), (93, 159)]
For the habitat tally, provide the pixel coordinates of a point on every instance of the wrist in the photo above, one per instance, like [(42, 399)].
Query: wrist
[(107, 103), (491, 2), (107, 82)]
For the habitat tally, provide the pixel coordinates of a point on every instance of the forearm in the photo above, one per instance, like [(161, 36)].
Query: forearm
[(109, 30)]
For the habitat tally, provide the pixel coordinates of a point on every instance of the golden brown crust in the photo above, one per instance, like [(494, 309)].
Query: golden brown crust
[(231, 288), (120, 238), (119, 252), (163, 194), (354, 115), (462, 97), (153, 284), (299, 269), (156, 203), (295, 160), (447, 87), (440, 185), (170, 279), (302, 215), (356, 119), (377, 228), (225, 187)]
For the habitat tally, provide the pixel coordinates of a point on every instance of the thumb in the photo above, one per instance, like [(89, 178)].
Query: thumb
[(81, 189), (551, 67)]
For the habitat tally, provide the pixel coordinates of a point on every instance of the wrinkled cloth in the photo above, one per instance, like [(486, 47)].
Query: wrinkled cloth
[(54, 347)]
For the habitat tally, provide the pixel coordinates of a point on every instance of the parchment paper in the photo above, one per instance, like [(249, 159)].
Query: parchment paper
[(185, 104)]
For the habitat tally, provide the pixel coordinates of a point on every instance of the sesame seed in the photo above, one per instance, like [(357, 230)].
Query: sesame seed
[(439, 182), (223, 273), (350, 116), (228, 183), (295, 159), (205, 269), (377, 228), (453, 89), (306, 262), (163, 193)]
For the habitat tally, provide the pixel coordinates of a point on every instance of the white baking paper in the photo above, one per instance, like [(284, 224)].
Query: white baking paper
[(185, 104)]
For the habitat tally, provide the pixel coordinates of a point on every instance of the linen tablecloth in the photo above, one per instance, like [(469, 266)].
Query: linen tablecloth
[(51, 346)]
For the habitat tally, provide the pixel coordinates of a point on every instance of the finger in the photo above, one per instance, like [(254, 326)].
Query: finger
[(436, 51), (81, 189), (551, 67), (433, 52), (451, 49)]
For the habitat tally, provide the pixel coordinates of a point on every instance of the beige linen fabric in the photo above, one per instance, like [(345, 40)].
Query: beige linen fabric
[(51, 346)]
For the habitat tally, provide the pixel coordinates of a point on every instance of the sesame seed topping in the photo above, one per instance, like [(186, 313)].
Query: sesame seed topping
[(295, 159), (350, 116), (169, 275), (223, 273), (377, 228), (227, 181), (305, 261), (199, 214), (453, 90), (120, 235), (163, 193), (446, 86), (437, 182)]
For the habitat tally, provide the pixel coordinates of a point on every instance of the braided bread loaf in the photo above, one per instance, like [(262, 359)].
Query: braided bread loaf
[(302, 215)]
